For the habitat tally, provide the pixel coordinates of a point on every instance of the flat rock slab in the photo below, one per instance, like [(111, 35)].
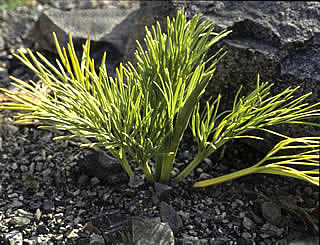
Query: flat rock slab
[(105, 26)]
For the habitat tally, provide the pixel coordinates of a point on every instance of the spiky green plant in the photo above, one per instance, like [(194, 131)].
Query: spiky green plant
[(143, 112), (12, 4)]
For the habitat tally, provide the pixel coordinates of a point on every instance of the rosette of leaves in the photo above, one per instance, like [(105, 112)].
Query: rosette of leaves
[(142, 113)]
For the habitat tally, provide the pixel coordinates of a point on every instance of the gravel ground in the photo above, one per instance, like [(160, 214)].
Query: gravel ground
[(47, 198)]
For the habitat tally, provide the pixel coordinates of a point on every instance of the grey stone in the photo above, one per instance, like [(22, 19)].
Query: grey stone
[(112, 224), (37, 214), (14, 237), (83, 179), (7, 130), (151, 231), (162, 190), (29, 242), (205, 176), (20, 221), (271, 212), (15, 204), (145, 194), (135, 181), (48, 205), (3, 73), (257, 219), (39, 166), (96, 239), (94, 181), (208, 161), (169, 215), (73, 234), (107, 28), (190, 240), (248, 223), (3, 14), (246, 235), (24, 213), (46, 173), (270, 230), (91, 4)]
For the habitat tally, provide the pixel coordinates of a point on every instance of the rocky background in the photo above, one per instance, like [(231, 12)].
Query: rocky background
[(54, 192)]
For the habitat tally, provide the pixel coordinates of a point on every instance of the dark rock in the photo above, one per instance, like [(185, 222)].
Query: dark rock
[(169, 215), (271, 212), (15, 204), (308, 190), (242, 241), (162, 191), (111, 226), (151, 231), (94, 181), (270, 39), (145, 194), (135, 181), (42, 229), (248, 223), (268, 230), (104, 221), (83, 241), (83, 179), (104, 167), (96, 239), (48, 205)]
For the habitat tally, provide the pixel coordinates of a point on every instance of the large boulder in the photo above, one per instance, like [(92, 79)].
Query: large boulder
[(279, 40)]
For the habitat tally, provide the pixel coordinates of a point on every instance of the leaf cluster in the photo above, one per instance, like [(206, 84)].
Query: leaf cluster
[(142, 113)]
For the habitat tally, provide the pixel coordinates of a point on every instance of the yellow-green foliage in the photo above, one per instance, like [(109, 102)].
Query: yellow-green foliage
[(143, 112)]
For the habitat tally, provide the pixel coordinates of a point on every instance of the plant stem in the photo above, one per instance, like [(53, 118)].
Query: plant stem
[(227, 177), (193, 164), (124, 163), (147, 172), (166, 167), (199, 158)]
